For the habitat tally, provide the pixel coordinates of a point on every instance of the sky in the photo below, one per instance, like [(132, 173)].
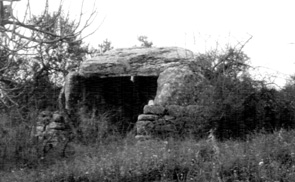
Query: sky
[(197, 25)]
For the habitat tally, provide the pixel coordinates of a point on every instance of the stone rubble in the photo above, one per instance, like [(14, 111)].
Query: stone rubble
[(162, 121), (49, 129)]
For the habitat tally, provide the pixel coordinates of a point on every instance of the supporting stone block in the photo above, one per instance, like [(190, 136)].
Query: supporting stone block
[(165, 128), (169, 118), (153, 109), (143, 127), (192, 110), (175, 110), (147, 117)]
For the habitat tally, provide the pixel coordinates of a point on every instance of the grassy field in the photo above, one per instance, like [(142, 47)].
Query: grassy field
[(263, 157)]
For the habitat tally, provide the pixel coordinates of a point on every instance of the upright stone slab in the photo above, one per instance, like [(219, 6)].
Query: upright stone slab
[(178, 86), (71, 90)]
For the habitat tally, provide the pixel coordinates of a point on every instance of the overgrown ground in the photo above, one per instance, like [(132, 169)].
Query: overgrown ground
[(263, 157)]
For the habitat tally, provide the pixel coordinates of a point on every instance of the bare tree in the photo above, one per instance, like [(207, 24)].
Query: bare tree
[(23, 40)]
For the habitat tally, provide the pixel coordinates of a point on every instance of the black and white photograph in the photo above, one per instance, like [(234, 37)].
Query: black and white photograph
[(147, 91)]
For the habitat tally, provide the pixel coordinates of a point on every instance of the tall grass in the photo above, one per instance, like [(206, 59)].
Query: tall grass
[(16, 145), (263, 157), (102, 154)]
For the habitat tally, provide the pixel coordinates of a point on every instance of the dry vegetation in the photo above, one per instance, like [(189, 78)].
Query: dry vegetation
[(252, 125), (262, 157)]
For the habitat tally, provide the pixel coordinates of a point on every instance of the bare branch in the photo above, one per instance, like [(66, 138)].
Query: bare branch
[(28, 11), (31, 35), (91, 33), (246, 42)]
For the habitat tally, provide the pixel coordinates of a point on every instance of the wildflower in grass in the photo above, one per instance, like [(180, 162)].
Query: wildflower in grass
[(216, 163), (212, 140)]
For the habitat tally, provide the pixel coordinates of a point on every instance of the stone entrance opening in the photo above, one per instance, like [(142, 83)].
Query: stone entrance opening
[(124, 95)]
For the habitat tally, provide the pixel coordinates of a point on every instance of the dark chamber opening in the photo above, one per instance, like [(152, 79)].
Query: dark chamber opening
[(120, 94)]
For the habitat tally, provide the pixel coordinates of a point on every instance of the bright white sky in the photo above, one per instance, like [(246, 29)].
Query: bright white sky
[(197, 25)]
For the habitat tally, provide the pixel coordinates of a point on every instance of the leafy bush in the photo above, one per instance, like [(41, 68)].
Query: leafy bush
[(235, 104)]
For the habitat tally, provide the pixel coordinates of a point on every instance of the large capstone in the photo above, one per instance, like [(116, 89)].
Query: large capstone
[(135, 62)]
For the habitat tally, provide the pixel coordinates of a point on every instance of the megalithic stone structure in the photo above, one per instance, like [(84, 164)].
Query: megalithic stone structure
[(129, 79)]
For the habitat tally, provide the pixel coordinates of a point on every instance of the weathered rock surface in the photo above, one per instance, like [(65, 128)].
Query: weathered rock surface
[(148, 117), (153, 109), (177, 86), (49, 130), (71, 89), (135, 61), (144, 127), (173, 121), (175, 110), (192, 110)]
